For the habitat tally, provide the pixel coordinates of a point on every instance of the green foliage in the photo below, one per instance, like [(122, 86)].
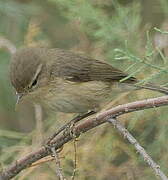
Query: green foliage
[(113, 30)]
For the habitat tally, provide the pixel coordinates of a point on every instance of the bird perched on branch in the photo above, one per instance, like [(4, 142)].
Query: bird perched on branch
[(65, 81)]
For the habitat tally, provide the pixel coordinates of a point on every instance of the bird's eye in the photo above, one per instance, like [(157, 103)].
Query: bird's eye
[(34, 83)]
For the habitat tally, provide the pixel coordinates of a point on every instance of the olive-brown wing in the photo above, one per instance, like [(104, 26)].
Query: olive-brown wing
[(76, 68)]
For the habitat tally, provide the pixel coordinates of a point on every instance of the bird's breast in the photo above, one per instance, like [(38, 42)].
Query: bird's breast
[(75, 97)]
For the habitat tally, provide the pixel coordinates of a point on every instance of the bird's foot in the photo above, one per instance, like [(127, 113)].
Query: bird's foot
[(70, 125), (51, 147)]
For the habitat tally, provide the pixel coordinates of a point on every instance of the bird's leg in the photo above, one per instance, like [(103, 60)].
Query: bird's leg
[(70, 125), (67, 127)]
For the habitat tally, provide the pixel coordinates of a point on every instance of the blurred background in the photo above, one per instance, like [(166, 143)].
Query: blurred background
[(132, 36)]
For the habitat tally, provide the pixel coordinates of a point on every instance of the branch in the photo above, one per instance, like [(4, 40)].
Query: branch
[(82, 127), (5, 43), (58, 165)]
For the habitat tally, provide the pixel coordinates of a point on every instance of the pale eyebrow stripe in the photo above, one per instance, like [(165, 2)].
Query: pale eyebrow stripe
[(36, 74)]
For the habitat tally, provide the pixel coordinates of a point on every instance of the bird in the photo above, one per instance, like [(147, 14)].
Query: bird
[(64, 81)]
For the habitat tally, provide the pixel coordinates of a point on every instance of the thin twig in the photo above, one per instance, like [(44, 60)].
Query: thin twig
[(39, 124), (6, 43), (58, 165), (75, 159), (138, 147), (42, 161)]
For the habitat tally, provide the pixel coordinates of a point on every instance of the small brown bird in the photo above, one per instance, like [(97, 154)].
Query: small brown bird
[(65, 81)]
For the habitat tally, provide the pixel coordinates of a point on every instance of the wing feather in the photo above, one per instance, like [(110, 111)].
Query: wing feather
[(76, 68)]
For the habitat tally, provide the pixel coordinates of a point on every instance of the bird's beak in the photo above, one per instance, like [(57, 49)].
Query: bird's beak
[(19, 96)]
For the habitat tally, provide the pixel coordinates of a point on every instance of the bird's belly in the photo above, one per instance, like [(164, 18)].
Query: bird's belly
[(78, 97), (71, 105)]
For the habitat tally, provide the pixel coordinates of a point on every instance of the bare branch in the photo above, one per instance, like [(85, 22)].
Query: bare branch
[(5, 43), (138, 147), (82, 127), (39, 125), (75, 159), (58, 165)]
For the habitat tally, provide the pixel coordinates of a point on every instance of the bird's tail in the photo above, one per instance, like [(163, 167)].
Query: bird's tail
[(153, 87)]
